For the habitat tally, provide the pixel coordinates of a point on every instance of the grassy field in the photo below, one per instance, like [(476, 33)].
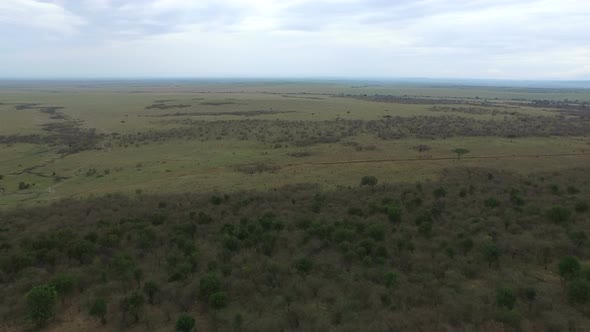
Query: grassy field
[(179, 164)]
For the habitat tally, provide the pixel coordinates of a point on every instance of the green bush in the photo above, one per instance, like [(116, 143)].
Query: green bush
[(578, 291), (304, 265), (185, 323), (99, 309), (63, 284), (559, 214), (390, 279), (218, 300), (505, 298), (376, 232), (582, 207), (40, 303), (491, 202), (133, 304), (394, 214), (209, 284), (369, 181), (151, 289), (569, 267)]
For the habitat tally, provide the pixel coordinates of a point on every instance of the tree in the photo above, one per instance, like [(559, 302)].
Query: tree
[(82, 250), (370, 181), (569, 267), (133, 304), (559, 214), (579, 238), (209, 284), (578, 291), (491, 253), (218, 300), (390, 279), (304, 265), (40, 303), (138, 276), (460, 152), (63, 284), (150, 289), (505, 298), (99, 310), (466, 245), (124, 266), (394, 214), (185, 323), (529, 294)]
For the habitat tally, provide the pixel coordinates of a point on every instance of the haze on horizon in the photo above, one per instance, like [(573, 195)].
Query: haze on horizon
[(491, 39)]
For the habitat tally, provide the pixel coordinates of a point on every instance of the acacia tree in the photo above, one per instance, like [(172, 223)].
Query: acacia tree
[(185, 323), (150, 289), (63, 284), (133, 305), (99, 309), (40, 303), (505, 298), (369, 180), (460, 152)]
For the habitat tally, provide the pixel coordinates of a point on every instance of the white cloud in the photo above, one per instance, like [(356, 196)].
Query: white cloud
[(47, 16), (434, 38)]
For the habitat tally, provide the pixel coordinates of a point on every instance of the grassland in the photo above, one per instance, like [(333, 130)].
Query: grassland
[(178, 164)]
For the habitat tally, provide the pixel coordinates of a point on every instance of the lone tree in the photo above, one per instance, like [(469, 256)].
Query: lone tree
[(505, 298), (40, 303), (569, 267), (460, 152), (370, 181), (151, 289), (185, 323), (99, 310), (133, 305)]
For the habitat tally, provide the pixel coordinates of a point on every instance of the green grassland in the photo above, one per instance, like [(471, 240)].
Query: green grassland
[(178, 164)]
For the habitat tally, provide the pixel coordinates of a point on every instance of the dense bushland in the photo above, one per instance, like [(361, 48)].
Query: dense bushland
[(477, 250)]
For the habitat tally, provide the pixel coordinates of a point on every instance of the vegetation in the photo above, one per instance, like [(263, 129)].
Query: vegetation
[(282, 207), (228, 258)]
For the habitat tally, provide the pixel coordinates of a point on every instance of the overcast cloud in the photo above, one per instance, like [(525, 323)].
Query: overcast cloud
[(512, 39)]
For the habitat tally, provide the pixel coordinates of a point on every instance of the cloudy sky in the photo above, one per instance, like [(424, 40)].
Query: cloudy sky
[(508, 39)]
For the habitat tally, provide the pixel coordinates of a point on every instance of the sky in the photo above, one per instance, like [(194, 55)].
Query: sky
[(493, 39)]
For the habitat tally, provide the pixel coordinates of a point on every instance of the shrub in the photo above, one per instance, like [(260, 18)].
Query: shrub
[(99, 309), (505, 298), (209, 284), (439, 192), (133, 304), (466, 245), (491, 253), (578, 291), (150, 289), (40, 303), (491, 202), (394, 214), (218, 300), (559, 214), (370, 181), (185, 323), (63, 284), (573, 190), (582, 207), (304, 265), (390, 279), (377, 232), (569, 267)]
